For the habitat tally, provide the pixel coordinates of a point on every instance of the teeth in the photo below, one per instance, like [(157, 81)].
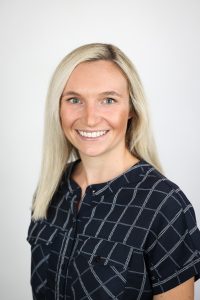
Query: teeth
[(93, 134)]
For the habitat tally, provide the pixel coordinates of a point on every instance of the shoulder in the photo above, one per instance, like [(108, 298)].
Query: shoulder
[(68, 169), (152, 177), (170, 208), (172, 242), (160, 193), (153, 181)]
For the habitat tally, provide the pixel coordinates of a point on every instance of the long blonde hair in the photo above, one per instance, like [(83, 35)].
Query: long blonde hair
[(58, 151)]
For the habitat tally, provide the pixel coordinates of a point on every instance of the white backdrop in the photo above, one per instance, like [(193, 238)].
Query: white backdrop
[(162, 37)]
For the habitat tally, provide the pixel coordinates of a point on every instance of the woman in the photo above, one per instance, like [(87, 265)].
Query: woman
[(106, 224)]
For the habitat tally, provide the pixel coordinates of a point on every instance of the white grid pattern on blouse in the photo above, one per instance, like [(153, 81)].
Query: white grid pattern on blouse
[(140, 226)]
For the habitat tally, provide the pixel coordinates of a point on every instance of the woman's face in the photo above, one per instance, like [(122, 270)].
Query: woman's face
[(94, 108)]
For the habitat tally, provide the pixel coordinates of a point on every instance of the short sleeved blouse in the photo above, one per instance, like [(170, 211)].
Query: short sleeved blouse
[(133, 237)]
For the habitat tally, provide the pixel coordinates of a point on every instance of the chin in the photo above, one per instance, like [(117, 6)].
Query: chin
[(93, 153)]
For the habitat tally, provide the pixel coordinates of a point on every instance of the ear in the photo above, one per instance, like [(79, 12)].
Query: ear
[(130, 115)]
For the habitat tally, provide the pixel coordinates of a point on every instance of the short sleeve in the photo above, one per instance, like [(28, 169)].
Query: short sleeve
[(172, 250)]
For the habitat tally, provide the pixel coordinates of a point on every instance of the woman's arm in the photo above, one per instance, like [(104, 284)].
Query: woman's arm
[(184, 291)]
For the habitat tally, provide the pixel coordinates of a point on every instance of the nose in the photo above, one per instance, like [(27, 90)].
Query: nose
[(91, 116)]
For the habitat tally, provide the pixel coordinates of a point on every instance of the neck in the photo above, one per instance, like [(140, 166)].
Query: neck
[(93, 170)]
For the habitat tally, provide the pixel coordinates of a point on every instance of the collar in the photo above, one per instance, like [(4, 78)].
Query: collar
[(132, 176)]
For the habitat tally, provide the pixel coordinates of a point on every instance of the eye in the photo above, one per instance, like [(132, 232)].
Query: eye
[(109, 101), (74, 100)]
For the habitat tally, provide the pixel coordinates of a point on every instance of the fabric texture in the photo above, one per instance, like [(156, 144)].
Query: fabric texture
[(133, 237)]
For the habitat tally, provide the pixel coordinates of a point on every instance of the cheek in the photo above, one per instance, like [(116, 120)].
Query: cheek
[(63, 118), (66, 117), (66, 124), (119, 120)]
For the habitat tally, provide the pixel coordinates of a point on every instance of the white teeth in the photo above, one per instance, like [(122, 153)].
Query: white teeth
[(93, 134)]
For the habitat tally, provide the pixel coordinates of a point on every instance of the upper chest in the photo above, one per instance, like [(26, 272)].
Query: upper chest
[(124, 216)]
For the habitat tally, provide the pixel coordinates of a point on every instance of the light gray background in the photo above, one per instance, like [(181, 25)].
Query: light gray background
[(162, 37)]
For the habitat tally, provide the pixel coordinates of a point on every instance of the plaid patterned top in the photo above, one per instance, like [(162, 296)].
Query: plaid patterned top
[(133, 237)]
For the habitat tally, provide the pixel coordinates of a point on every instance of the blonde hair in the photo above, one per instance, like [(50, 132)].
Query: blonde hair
[(58, 151)]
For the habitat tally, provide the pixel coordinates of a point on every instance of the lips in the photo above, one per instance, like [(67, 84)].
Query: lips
[(92, 134)]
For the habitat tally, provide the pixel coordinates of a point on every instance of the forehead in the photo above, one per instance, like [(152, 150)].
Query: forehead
[(97, 75)]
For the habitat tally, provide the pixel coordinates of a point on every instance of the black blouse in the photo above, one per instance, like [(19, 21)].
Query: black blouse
[(133, 237)]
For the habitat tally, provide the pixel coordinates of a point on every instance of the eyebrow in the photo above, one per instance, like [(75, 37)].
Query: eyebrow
[(106, 93)]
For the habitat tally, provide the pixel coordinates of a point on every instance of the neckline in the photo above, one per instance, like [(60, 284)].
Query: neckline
[(129, 175)]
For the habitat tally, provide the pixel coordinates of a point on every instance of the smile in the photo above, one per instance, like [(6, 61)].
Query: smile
[(92, 134)]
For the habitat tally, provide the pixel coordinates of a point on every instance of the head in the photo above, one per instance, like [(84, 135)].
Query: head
[(95, 109), (58, 150), (92, 53)]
